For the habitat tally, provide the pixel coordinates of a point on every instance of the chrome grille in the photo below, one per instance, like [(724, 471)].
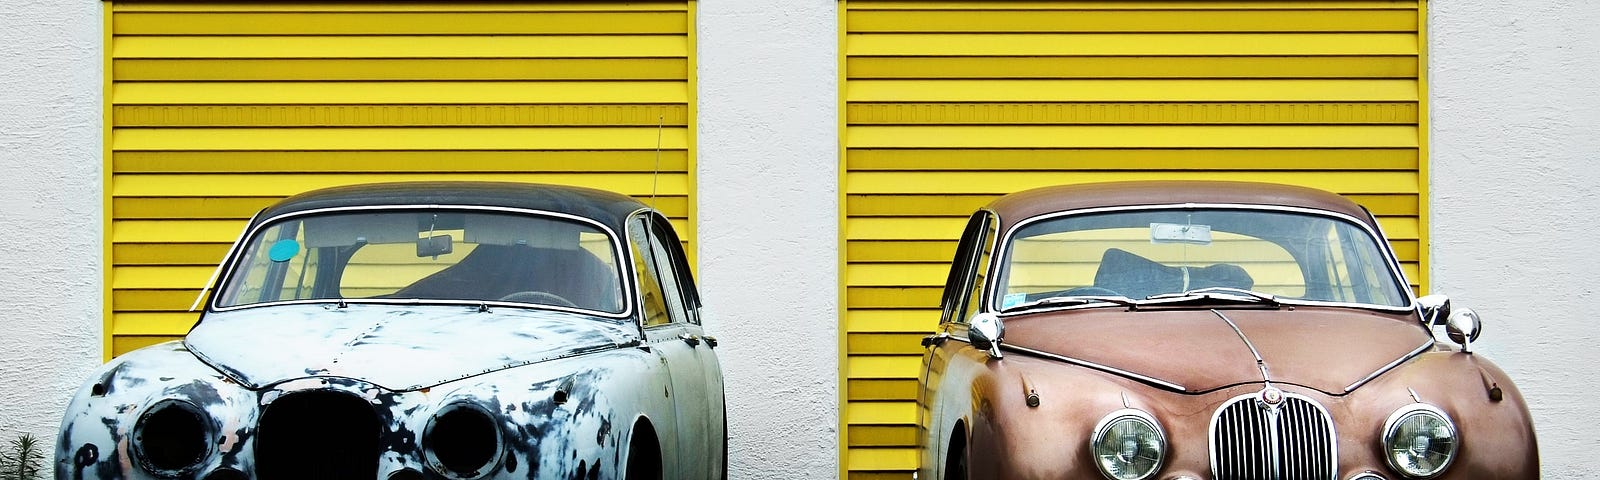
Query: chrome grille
[(1292, 441)]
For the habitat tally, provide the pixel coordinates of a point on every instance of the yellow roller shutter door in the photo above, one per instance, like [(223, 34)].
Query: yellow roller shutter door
[(217, 109), (951, 104)]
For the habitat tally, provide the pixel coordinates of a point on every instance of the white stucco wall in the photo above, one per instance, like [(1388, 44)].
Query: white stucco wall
[(49, 209), (768, 227), (1516, 201)]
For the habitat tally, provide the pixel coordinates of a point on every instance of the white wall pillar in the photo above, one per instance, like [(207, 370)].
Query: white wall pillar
[(768, 227), (1515, 180), (49, 210)]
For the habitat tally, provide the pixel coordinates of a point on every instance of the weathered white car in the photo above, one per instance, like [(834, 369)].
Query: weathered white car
[(424, 331)]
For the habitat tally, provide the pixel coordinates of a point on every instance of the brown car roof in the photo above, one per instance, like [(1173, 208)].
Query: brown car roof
[(1030, 203)]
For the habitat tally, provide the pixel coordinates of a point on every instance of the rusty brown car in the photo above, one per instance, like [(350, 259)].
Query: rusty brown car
[(1204, 330)]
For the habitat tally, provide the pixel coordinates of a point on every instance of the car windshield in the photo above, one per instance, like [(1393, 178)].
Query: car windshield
[(422, 255), (1246, 255)]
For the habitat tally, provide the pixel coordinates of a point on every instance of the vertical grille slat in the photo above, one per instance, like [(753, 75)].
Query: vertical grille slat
[(1292, 442)]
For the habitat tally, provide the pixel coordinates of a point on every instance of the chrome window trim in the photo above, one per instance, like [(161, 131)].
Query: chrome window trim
[(1275, 455), (226, 260), (1099, 433), (692, 315), (1086, 364), (989, 271), (1411, 409), (232, 263), (991, 296)]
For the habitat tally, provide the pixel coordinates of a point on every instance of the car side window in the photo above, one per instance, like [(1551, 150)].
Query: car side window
[(958, 285), (661, 298)]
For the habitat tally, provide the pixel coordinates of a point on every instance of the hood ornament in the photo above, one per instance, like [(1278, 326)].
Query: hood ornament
[(1270, 397)]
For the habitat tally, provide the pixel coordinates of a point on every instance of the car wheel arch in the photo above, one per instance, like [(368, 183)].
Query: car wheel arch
[(644, 452)]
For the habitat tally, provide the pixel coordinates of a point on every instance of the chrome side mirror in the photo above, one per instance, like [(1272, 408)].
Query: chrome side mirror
[(985, 331), (1435, 309), (1463, 327)]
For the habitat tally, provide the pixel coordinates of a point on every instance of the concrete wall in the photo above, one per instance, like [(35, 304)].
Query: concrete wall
[(769, 228), (1516, 196), (1516, 201), (49, 209)]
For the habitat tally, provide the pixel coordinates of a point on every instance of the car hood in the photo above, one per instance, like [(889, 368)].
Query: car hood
[(1325, 348), (402, 348)]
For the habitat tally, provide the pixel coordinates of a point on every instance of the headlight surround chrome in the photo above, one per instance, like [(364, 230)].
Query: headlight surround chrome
[(172, 438), (1419, 441), (1128, 444)]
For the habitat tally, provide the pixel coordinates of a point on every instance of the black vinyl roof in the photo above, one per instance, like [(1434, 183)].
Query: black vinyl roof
[(611, 209)]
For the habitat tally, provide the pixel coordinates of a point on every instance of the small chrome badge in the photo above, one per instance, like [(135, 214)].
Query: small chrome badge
[(1271, 396)]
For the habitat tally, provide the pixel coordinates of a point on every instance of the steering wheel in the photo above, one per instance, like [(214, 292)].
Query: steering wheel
[(1090, 291), (542, 298)]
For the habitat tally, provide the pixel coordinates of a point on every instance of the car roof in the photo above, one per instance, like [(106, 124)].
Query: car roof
[(1027, 204), (608, 208)]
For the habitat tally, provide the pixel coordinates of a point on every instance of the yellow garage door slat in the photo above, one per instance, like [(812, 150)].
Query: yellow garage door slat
[(500, 161), (1135, 5), (394, 23), (641, 183), (408, 69), (1000, 182), (1133, 90), (217, 110), (1134, 67), (421, 138), (1120, 44), (950, 104), (343, 93), (921, 159), (401, 46), (996, 21)]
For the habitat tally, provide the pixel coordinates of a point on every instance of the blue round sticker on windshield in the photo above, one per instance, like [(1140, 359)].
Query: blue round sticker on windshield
[(283, 250)]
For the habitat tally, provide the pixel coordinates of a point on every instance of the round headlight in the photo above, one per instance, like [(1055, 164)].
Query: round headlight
[(462, 441), (171, 438), (1419, 441), (1128, 445)]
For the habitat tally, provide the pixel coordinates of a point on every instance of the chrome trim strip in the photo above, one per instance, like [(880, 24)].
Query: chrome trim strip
[(616, 245), (1087, 364), (1260, 363), (1426, 344), (1396, 273)]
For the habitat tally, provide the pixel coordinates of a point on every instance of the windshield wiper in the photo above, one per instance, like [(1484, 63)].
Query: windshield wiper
[(1220, 293), (1067, 301)]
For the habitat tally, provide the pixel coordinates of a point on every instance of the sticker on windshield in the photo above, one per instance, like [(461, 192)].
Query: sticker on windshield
[(283, 250), (1012, 300), (1180, 233)]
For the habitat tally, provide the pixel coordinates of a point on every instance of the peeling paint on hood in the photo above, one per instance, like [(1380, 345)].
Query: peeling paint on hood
[(398, 347)]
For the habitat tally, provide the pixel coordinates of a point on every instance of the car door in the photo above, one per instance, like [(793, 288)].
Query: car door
[(667, 319), (962, 298), (714, 437)]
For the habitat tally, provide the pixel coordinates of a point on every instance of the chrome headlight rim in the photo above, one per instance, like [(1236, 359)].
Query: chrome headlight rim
[(143, 456), (430, 454), (1103, 427), (1407, 412)]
